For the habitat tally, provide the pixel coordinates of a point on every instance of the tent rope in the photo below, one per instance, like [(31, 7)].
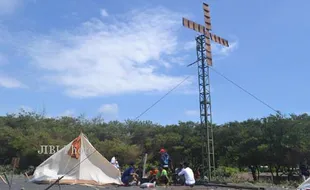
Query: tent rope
[(246, 91), (67, 163)]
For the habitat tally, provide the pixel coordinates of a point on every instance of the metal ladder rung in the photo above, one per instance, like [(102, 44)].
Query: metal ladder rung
[(205, 115), (202, 102)]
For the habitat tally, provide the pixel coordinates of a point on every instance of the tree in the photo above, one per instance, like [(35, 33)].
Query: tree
[(277, 141)]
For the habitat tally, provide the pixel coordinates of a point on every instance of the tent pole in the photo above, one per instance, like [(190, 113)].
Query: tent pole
[(144, 164)]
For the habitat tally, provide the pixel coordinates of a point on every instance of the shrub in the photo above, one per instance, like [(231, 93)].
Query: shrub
[(223, 171)]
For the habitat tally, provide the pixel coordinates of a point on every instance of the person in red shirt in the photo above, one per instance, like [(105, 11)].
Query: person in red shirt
[(152, 174)]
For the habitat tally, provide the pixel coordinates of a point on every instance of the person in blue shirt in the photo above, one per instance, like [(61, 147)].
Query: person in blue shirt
[(164, 159), (129, 174)]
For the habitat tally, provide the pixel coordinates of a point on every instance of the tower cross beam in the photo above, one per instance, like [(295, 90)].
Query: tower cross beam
[(205, 30), (204, 59)]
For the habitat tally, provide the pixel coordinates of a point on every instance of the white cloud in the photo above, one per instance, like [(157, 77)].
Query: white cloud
[(9, 6), (192, 112), (190, 45), (104, 13), (48, 116), (181, 60), (68, 113), (26, 108), (5, 80), (109, 109), (222, 51), (165, 63), (9, 82), (109, 59)]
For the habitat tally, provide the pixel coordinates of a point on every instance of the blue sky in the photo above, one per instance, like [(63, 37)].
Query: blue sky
[(116, 58)]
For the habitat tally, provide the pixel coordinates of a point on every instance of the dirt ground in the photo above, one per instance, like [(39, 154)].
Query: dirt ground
[(20, 183)]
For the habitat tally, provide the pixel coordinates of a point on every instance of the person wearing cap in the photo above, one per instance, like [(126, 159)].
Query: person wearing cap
[(164, 159), (129, 175)]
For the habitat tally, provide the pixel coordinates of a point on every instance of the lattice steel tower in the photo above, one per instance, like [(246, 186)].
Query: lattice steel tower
[(204, 59)]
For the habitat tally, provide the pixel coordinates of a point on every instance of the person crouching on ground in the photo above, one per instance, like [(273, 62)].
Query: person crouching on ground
[(129, 175), (152, 174), (139, 172), (162, 176), (188, 174)]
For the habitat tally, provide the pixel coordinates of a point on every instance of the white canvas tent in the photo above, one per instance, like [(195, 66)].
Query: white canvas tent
[(88, 169), (305, 185)]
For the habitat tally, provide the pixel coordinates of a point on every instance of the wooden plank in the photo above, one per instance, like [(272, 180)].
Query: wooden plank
[(193, 25), (207, 16), (219, 40), (208, 51)]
